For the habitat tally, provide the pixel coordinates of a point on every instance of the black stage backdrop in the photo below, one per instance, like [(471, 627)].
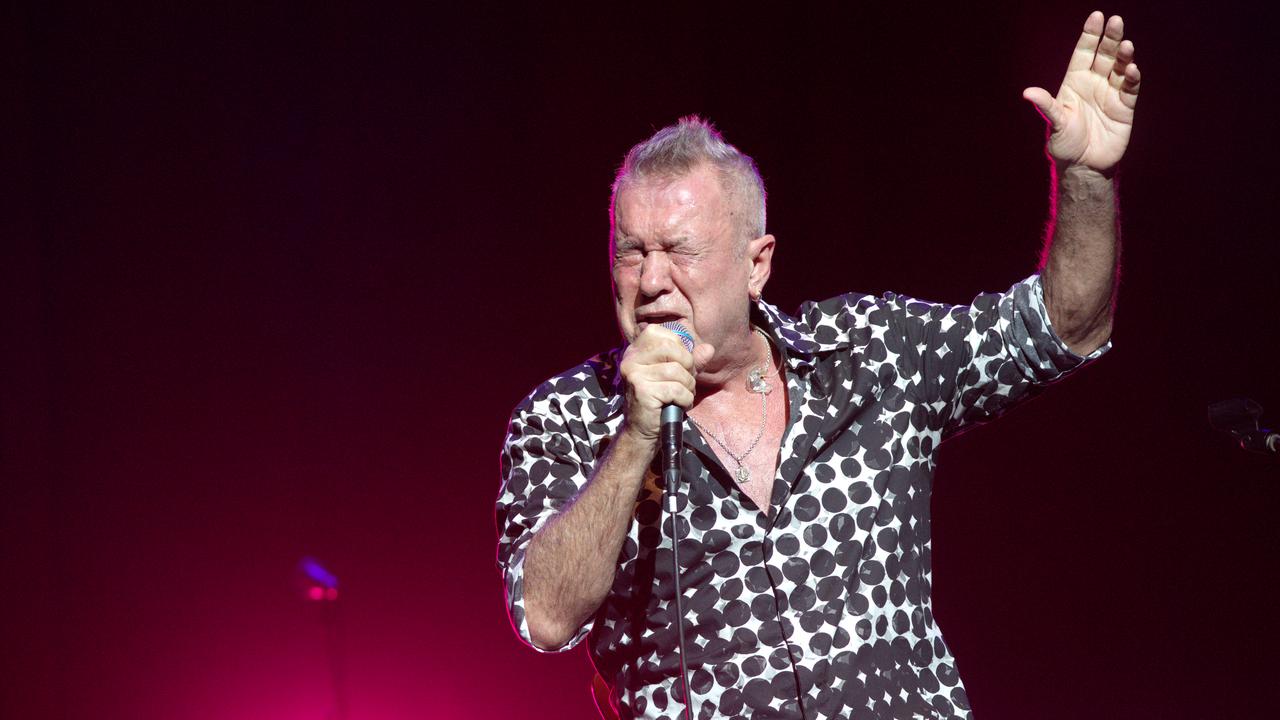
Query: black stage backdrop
[(274, 276)]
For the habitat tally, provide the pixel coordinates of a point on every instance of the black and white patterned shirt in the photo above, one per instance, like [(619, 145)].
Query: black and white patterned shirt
[(821, 610)]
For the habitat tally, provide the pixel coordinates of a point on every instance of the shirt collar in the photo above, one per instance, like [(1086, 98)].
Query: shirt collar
[(795, 336)]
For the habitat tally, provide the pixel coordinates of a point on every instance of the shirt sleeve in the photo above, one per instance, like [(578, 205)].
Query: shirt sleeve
[(540, 474), (1003, 350)]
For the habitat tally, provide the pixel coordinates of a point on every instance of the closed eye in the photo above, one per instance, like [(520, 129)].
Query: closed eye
[(628, 258)]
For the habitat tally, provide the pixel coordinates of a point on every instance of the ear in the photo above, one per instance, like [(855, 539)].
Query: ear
[(760, 256)]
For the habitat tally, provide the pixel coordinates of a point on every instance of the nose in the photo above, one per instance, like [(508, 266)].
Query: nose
[(655, 274)]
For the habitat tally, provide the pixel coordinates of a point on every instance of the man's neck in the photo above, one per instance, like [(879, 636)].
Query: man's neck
[(729, 384)]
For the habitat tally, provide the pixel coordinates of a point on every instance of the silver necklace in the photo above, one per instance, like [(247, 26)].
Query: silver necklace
[(756, 383)]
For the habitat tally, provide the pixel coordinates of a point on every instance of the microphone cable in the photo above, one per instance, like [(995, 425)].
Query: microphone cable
[(672, 450)]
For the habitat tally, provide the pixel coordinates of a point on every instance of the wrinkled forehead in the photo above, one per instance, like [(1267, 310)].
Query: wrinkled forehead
[(704, 176), (657, 204)]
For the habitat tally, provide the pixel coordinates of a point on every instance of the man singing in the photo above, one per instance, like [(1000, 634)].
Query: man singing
[(804, 521)]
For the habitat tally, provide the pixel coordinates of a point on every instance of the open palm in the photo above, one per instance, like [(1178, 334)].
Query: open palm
[(1092, 115)]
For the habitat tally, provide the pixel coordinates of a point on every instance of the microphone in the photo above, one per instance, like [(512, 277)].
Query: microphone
[(1239, 416), (672, 432)]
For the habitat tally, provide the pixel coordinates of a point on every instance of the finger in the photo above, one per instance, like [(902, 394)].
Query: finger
[(1129, 90), (637, 370), (1106, 57), (1124, 57), (658, 395), (702, 354), (650, 382), (1050, 109), (667, 372), (1087, 45), (682, 396), (658, 344)]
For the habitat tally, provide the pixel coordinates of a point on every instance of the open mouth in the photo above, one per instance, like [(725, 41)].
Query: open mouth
[(647, 320)]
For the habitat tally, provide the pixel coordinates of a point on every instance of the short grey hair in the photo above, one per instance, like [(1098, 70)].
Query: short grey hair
[(678, 149)]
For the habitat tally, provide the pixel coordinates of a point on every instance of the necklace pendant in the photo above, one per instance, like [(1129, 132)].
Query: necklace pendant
[(743, 475)]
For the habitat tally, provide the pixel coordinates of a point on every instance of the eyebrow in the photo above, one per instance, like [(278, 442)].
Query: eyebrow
[(628, 241)]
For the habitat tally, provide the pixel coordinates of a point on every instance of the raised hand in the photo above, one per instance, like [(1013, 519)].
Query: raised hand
[(1092, 115)]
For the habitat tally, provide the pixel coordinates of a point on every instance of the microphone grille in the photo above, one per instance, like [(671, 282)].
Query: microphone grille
[(685, 338)]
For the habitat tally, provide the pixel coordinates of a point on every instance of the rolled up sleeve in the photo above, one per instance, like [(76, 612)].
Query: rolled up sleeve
[(540, 474), (1012, 351)]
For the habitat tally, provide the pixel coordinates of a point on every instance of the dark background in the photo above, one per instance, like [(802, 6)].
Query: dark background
[(274, 276)]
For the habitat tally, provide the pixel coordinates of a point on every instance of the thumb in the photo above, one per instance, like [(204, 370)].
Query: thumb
[(702, 354), (1045, 103)]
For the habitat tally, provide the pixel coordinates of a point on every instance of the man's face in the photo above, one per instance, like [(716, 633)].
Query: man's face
[(676, 258)]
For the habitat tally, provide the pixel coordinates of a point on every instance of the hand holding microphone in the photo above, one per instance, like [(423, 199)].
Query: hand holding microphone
[(660, 368)]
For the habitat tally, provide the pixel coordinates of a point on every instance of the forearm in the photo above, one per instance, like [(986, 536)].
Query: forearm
[(572, 560), (1080, 264)]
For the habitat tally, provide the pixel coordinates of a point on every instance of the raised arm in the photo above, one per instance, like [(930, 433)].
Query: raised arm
[(1090, 120)]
